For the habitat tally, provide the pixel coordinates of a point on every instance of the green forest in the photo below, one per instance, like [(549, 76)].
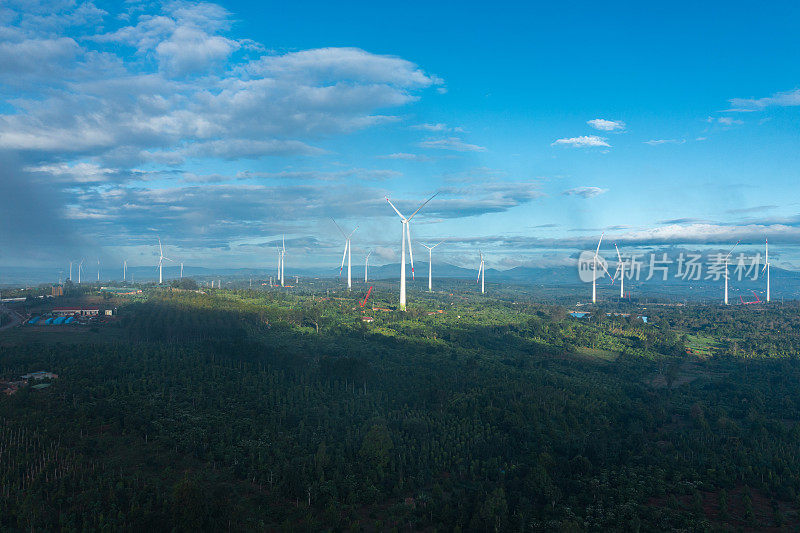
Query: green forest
[(267, 410)]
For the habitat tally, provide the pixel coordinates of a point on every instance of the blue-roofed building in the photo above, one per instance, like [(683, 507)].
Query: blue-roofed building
[(69, 320), (49, 321), (34, 320), (59, 320)]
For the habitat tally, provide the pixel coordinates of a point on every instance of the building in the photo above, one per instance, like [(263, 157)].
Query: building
[(81, 311), (367, 319), (56, 290)]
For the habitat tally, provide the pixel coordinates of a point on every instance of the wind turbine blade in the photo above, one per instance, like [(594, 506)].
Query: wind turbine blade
[(351, 233), (344, 255), (734, 247), (395, 209), (598, 244), (423, 205), (339, 228), (410, 251)]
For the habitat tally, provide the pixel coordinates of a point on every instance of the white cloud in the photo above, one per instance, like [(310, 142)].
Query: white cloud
[(729, 121), (246, 148), (97, 103), (405, 156), (343, 64), (606, 125), (585, 192), (584, 140), (191, 50), (656, 142), (35, 56), (451, 143), (77, 173), (438, 127), (783, 99)]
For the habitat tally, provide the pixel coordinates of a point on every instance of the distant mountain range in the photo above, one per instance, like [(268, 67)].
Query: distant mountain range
[(785, 283)]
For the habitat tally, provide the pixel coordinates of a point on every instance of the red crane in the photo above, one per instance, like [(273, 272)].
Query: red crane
[(756, 301), (366, 297)]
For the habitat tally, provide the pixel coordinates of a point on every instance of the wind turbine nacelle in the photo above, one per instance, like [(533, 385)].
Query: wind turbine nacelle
[(586, 267)]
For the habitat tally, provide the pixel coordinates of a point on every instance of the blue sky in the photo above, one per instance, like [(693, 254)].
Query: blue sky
[(222, 126)]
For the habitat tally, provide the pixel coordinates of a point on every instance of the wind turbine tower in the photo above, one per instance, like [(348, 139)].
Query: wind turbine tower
[(481, 274), (430, 264), (161, 258), (406, 236), (125, 270), (278, 275), (726, 271), (98, 270), (346, 254), (766, 266), (283, 258), (80, 267), (181, 269), (366, 265), (621, 272), (594, 269)]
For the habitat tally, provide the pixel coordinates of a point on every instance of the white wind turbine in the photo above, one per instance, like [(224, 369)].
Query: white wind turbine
[(481, 273), (406, 236), (766, 266), (181, 269), (621, 272), (161, 258), (278, 276), (80, 268), (594, 269), (430, 263), (346, 254), (366, 265), (70, 269), (726, 271), (98, 269), (124, 270), (283, 258)]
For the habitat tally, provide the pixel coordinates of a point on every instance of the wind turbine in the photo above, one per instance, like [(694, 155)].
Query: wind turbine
[(125, 270), (161, 258), (283, 258), (766, 265), (346, 254), (594, 269), (621, 272), (481, 271), (366, 265), (278, 276), (430, 264), (726, 271), (80, 267), (98, 270), (70, 269), (406, 235), (181, 269)]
